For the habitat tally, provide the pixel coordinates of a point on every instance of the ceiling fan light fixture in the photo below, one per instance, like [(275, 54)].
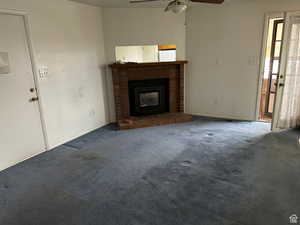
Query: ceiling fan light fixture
[(179, 7)]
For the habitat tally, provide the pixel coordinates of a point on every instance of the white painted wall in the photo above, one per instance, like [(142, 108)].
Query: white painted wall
[(68, 38), (223, 47), (140, 26)]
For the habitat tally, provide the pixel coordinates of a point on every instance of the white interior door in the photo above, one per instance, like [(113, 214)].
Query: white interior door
[(21, 134), (287, 106)]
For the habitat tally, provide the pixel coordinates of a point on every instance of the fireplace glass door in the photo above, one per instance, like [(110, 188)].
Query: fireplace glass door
[(149, 97)]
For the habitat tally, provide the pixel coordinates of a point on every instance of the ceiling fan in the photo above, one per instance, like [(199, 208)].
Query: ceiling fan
[(178, 6)]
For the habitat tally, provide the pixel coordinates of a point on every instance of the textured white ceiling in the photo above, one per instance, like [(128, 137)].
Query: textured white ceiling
[(122, 3), (125, 3)]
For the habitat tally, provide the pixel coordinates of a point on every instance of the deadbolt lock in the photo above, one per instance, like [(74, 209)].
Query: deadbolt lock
[(33, 99)]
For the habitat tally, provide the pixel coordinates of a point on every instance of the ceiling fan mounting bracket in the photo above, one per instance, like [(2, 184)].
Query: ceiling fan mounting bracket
[(178, 6)]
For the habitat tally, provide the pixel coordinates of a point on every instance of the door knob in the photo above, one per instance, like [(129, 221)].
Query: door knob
[(33, 99)]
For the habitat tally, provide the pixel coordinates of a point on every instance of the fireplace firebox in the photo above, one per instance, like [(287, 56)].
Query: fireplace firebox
[(148, 97)]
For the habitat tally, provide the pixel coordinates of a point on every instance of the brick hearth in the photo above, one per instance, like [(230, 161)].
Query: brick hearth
[(154, 120)]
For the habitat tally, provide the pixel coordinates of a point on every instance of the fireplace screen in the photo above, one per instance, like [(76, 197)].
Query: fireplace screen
[(149, 99)]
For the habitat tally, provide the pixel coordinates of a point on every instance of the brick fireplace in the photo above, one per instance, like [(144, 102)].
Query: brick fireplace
[(149, 94)]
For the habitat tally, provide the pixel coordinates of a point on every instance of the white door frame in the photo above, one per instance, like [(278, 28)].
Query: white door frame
[(25, 16), (268, 17)]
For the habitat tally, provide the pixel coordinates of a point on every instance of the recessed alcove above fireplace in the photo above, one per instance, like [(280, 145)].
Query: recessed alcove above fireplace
[(149, 94)]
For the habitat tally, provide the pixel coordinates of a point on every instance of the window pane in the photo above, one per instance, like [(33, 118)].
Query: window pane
[(275, 66), (273, 83), (274, 77), (277, 49), (271, 103), (279, 31)]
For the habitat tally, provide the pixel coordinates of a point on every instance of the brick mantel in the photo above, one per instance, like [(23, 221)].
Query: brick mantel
[(122, 73)]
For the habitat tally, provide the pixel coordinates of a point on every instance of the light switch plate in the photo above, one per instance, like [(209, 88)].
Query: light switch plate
[(4, 63)]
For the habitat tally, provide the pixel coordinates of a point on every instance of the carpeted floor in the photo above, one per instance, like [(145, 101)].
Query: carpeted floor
[(208, 172)]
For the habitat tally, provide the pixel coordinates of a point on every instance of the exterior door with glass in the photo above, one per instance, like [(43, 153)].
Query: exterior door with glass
[(287, 107)]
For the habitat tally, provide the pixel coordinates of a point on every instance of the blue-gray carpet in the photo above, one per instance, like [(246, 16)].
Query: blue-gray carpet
[(207, 172)]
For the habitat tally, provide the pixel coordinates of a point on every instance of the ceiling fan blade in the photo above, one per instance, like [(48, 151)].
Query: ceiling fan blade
[(142, 1), (209, 1)]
